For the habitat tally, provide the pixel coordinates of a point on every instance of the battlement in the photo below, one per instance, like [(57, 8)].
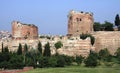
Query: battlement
[(72, 12)]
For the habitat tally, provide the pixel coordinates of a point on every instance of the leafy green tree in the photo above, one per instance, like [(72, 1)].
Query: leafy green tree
[(117, 20), (91, 60), (19, 51), (79, 59), (47, 51), (58, 45), (40, 47), (84, 36), (97, 26), (108, 26)]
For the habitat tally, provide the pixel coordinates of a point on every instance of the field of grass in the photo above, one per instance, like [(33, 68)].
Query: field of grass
[(75, 69)]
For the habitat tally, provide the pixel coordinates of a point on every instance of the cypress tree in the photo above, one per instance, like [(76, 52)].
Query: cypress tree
[(19, 51), (117, 20), (40, 47), (2, 47), (47, 51)]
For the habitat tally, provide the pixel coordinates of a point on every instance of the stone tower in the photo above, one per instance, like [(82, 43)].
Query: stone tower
[(24, 31), (80, 22)]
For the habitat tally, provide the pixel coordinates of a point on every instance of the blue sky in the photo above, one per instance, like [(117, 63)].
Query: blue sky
[(51, 15)]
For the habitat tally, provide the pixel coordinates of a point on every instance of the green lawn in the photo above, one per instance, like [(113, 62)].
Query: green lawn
[(75, 69)]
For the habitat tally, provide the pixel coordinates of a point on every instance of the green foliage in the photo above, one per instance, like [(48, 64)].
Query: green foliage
[(2, 47), (25, 48), (43, 62), (47, 51), (107, 26), (40, 47), (19, 51), (58, 45), (91, 60), (104, 55), (97, 26), (117, 20), (6, 50), (16, 61), (53, 61), (60, 61), (79, 59), (84, 36), (117, 53)]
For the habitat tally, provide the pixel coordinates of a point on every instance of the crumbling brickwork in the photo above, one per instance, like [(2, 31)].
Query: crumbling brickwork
[(80, 22), (24, 31)]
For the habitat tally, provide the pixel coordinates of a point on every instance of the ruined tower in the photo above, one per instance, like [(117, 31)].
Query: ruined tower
[(80, 22), (24, 31)]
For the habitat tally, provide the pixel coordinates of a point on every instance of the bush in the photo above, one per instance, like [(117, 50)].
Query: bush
[(79, 59), (60, 61), (91, 60), (58, 45), (53, 61), (104, 55)]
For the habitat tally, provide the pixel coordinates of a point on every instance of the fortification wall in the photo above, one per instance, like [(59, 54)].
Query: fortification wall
[(24, 31), (107, 39), (75, 47)]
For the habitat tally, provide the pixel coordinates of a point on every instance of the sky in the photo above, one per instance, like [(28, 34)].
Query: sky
[(51, 15)]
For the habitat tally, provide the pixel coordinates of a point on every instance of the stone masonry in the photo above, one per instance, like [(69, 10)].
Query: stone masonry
[(80, 22), (24, 31)]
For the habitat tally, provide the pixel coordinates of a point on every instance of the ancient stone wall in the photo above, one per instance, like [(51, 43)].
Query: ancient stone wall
[(107, 39), (76, 47), (80, 22), (24, 31)]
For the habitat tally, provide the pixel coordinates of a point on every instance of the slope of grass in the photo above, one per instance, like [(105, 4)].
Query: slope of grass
[(75, 69)]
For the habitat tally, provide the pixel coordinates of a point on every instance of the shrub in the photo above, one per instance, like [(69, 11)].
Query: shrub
[(58, 44), (79, 59), (91, 60)]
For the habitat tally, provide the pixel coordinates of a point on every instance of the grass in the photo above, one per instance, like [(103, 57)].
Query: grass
[(76, 69)]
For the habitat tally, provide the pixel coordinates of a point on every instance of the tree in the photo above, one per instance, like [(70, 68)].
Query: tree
[(2, 47), (97, 26), (25, 52), (6, 50), (47, 51), (25, 48), (58, 44), (91, 60), (19, 51), (40, 47), (117, 20), (108, 26)]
